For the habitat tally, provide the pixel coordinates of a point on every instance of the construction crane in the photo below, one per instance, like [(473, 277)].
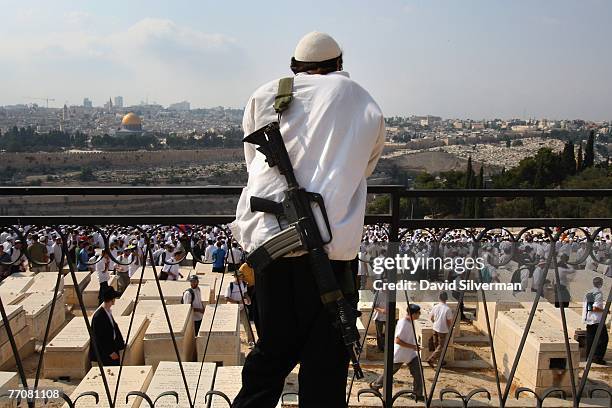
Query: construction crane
[(43, 99)]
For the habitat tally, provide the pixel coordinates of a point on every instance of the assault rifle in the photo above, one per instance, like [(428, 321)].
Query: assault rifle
[(302, 233)]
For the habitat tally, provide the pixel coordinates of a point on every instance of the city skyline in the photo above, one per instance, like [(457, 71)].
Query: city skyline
[(543, 59)]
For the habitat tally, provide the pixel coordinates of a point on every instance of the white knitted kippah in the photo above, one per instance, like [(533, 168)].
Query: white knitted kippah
[(316, 47)]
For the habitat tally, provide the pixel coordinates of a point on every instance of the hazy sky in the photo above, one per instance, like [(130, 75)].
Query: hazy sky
[(453, 58)]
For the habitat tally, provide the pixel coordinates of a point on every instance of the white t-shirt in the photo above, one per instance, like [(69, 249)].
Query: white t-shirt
[(441, 313), (102, 269), (405, 332), (197, 303), (591, 317), (233, 292)]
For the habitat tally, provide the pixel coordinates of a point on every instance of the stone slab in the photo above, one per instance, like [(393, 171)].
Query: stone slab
[(90, 293), (24, 345), (17, 284), (133, 378), (228, 380), (225, 333), (8, 380), (168, 377), (146, 307), (158, 345), (148, 274), (83, 280), (172, 290), (211, 281), (134, 352), (203, 268), (45, 282), (544, 343), (11, 297), (17, 321), (67, 354), (37, 307)]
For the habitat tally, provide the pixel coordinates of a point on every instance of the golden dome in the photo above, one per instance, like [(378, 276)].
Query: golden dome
[(131, 119)]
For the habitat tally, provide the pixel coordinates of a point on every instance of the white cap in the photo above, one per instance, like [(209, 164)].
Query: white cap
[(316, 47)]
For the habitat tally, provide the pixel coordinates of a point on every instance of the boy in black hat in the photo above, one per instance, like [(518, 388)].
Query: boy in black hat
[(107, 336)]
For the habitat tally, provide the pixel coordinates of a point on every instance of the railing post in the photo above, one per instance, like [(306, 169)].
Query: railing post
[(391, 298)]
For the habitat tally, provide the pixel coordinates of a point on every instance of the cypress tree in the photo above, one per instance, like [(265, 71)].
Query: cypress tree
[(479, 204), (468, 206), (589, 152), (579, 162), (568, 159)]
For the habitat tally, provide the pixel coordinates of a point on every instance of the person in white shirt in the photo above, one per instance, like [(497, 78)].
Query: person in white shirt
[(121, 270), (103, 271), (235, 293), (334, 133), (592, 312), (442, 318), (234, 258), (539, 275), (171, 267), (209, 251), (379, 315), (134, 259), (405, 351), (193, 297)]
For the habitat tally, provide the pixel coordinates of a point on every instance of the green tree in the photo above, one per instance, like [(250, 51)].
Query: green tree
[(468, 202), (87, 174), (579, 161), (479, 203), (589, 151), (568, 159)]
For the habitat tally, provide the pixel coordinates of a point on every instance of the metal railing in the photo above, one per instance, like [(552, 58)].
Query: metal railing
[(396, 228)]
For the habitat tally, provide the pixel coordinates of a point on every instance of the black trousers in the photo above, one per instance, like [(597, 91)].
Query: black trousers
[(380, 334), (294, 328), (601, 346)]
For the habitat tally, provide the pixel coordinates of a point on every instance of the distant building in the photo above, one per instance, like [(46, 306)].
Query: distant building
[(87, 103), (180, 106), (119, 101), (131, 124)]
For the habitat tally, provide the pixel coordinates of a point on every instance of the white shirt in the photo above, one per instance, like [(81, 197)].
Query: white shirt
[(172, 268), (591, 317), (441, 313), (235, 256), (197, 303), (208, 253), (234, 292), (102, 269), (334, 133), (405, 332)]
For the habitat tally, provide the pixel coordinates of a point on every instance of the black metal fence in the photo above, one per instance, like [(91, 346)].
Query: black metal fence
[(396, 228)]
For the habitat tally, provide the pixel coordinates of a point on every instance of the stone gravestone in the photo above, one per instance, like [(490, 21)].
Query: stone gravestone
[(203, 269), (224, 342), (37, 307), (133, 378), (148, 274), (17, 284), (45, 282), (21, 333), (146, 308), (210, 281), (134, 352), (228, 380), (8, 381), (17, 321), (543, 362), (90, 293), (67, 355), (168, 378), (173, 291), (11, 297), (83, 280), (157, 341)]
